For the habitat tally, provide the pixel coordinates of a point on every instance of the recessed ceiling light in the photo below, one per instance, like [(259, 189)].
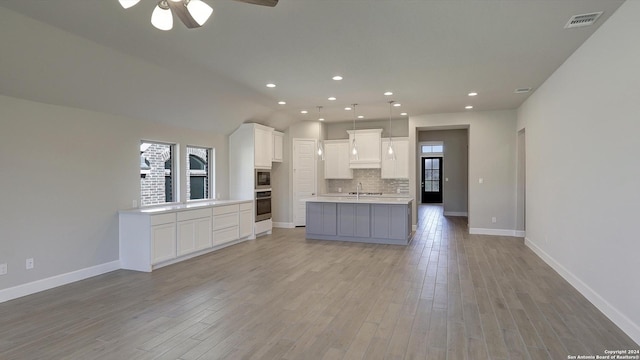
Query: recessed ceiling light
[(473, 94), (403, 114), (397, 104), (347, 108), (282, 103), (304, 112), (270, 85), (332, 98), (337, 77), (388, 93), (468, 107), (321, 119), (360, 116)]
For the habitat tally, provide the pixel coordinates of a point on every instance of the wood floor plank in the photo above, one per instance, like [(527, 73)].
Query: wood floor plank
[(447, 295)]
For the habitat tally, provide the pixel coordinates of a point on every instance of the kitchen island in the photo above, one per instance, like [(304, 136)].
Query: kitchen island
[(371, 219)]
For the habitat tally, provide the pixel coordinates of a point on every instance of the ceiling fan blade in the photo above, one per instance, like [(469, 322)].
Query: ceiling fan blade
[(181, 11), (270, 3)]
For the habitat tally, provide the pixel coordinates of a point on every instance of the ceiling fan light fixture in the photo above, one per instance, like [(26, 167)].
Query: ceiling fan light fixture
[(199, 10), (161, 17), (128, 3)]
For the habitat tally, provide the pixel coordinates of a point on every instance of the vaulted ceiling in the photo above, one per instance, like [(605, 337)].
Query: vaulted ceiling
[(430, 54)]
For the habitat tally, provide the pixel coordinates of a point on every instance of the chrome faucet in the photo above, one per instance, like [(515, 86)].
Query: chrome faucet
[(358, 189)]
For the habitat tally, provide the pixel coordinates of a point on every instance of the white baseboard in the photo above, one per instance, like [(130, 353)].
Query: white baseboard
[(58, 280), (495, 232), (283, 225), (455, 213), (627, 325), (520, 233)]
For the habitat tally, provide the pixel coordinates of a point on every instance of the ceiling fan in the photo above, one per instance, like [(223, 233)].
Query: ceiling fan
[(193, 13)]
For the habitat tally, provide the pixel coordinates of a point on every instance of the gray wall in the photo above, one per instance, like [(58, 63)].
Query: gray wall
[(338, 130), (67, 219), (583, 173), (492, 157), (456, 162)]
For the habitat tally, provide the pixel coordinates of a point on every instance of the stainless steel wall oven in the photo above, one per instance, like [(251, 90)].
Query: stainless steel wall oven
[(263, 205)]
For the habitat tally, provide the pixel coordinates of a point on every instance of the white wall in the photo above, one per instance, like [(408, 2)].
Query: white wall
[(65, 174), (583, 173), (492, 157)]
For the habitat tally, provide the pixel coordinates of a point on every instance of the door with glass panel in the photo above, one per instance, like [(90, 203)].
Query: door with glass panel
[(431, 180)]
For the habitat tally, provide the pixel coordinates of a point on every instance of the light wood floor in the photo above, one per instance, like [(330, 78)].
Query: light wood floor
[(448, 295)]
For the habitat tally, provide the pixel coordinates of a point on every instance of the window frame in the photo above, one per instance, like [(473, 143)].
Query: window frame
[(175, 182), (208, 172)]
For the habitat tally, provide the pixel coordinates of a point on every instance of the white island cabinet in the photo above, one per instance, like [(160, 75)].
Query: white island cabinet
[(158, 236)]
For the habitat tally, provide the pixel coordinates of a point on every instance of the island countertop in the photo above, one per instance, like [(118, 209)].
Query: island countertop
[(363, 199)]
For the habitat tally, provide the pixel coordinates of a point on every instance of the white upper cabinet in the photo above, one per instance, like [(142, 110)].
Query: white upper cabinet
[(263, 146), (336, 160), (278, 146), (398, 168), (368, 145)]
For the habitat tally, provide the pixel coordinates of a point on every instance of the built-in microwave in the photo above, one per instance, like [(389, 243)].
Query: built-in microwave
[(263, 179)]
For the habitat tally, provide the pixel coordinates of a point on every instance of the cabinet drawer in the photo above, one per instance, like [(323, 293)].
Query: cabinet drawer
[(163, 219), (246, 206), (225, 235), (225, 221), (219, 210), (194, 214)]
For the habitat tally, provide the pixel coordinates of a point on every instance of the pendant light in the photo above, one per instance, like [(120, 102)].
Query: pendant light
[(161, 17), (391, 154), (320, 150), (354, 147)]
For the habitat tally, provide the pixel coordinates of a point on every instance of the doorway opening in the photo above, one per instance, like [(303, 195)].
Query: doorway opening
[(432, 180)]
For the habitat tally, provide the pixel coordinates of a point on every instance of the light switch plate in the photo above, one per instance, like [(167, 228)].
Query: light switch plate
[(3, 269)]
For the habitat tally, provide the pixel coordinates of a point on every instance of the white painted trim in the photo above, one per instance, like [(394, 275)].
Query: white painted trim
[(456, 213), (495, 232), (414, 227), (520, 233), (627, 325), (58, 280), (283, 225)]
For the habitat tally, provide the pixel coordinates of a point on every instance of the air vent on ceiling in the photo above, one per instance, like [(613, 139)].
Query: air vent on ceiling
[(582, 20), (522, 90)]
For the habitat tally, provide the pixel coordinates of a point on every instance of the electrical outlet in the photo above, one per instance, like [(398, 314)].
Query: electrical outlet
[(494, 220), (134, 203), (3, 269), (29, 264)]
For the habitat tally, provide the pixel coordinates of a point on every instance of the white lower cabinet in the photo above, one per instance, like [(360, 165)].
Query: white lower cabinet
[(225, 224), (153, 238), (163, 242), (194, 231), (246, 220)]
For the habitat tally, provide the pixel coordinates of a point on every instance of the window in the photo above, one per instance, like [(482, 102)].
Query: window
[(198, 173), (431, 148), (157, 185)]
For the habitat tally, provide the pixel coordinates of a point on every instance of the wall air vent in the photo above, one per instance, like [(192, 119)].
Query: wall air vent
[(582, 20), (522, 90)]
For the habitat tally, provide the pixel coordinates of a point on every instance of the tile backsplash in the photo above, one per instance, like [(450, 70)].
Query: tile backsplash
[(371, 182)]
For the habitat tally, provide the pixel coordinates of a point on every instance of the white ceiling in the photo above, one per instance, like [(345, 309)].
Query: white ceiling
[(429, 53)]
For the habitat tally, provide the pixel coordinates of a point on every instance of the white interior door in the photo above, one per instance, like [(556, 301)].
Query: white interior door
[(304, 177)]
